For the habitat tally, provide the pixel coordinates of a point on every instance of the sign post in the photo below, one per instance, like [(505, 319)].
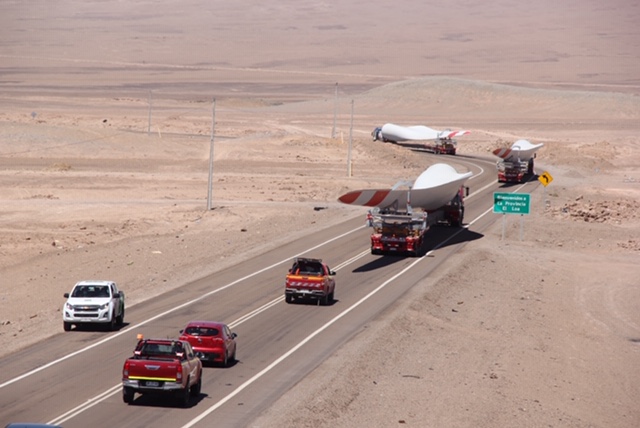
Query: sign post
[(512, 203), (545, 178)]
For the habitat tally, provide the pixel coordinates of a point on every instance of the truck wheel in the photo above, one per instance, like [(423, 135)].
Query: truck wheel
[(288, 298), (325, 300), (120, 318), (111, 325), (195, 389), (458, 221), (184, 394), (331, 297), (127, 395), (66, 326)]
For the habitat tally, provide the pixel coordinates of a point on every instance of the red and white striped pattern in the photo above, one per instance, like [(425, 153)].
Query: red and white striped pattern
[(451, 134), (502, 153), (367, 198)]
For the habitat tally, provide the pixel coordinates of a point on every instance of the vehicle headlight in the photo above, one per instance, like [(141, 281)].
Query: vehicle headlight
[(105, 306), (69, 306)]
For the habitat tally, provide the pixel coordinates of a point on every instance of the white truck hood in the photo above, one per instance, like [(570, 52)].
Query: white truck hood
[(88, 300)]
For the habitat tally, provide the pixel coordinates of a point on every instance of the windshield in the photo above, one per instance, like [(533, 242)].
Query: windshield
[(201, 331), (307, 268), (161, 349), (91, 291)]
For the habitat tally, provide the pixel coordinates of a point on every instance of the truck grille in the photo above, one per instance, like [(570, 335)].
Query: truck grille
[(86, 308)]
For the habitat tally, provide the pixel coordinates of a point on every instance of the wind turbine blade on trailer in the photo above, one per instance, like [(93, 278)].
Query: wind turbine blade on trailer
[(433, 188), (392, 132)]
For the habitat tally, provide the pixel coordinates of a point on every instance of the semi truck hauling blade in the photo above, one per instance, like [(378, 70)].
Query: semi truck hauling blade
[(516, 162), (400, 218), (434, 141)]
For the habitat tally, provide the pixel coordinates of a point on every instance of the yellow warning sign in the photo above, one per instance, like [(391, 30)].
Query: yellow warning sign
[(545, 178)]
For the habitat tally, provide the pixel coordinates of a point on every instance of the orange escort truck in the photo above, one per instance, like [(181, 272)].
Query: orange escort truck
[(310, 279)]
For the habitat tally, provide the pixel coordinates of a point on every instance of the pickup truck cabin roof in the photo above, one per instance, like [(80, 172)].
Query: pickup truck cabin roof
[(95, 282)]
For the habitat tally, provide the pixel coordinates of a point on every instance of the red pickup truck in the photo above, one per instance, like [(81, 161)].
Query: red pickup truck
[(162, 366), (310, 279)]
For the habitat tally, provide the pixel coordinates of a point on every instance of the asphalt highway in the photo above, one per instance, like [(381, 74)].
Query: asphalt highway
[(74, 379)]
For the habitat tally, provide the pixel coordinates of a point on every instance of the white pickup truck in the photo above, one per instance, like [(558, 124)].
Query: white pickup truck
[(94, 302)]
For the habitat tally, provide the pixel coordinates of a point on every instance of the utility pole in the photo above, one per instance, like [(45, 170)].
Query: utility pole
[(149, 126), (335, 113), (213, 124), (350, 143)]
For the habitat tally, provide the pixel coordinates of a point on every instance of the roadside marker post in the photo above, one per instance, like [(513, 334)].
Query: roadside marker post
[(545, 178)]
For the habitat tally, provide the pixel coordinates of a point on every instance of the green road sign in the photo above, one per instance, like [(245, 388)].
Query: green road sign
[(511, 203)]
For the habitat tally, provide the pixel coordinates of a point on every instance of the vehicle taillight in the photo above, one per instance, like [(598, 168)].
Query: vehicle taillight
[(125, 370), (179, 373)]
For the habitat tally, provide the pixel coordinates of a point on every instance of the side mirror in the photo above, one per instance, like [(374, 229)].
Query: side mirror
[(332, 273), (66, 295), (233, 335), (181, 331)]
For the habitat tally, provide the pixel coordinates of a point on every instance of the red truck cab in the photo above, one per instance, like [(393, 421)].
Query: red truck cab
[(162, 366), (310, 279)]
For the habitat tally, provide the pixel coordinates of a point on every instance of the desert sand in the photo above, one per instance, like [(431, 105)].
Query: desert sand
[(104, 158)]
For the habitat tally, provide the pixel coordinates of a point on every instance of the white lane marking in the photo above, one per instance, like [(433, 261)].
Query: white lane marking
[(190, 302), (116, 388), (86, 405)]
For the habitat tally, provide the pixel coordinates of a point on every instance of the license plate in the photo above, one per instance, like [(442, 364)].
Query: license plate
[(152, 383)]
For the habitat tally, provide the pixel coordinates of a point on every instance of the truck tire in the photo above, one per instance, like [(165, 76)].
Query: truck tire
[(111, 325), (331, 297), (127, 395), (184, 395), (458, 222), (120, 318), (325, 300), (66, 326), (195, 389), (288, 298)]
